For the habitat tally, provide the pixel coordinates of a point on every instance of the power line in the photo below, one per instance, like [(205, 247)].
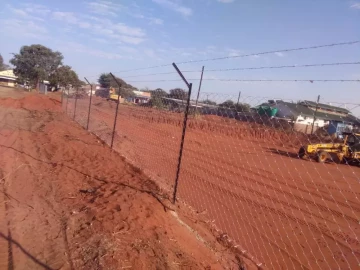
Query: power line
[(255, 80), (250, 68), (252, 54)]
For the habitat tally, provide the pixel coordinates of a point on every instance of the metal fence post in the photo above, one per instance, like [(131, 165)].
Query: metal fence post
[(116, 112), (183, 132), (67, 101), (88, 119), (76, 94), (238, 100), (198, 94)]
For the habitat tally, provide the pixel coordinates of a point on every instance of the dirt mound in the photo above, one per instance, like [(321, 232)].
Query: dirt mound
[(34, 102), (82, 206)]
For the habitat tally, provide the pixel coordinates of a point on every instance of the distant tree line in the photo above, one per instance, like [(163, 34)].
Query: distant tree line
[(37, 63)]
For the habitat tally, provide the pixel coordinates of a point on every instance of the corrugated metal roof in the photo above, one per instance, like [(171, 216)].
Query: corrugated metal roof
[(299, 109), (324, 106)]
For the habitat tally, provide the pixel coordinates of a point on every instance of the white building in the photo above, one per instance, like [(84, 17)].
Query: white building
[(8, 78)]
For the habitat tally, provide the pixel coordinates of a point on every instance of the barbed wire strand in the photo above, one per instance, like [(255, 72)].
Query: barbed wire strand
[(246, 80), (251, 54), (250, 68)]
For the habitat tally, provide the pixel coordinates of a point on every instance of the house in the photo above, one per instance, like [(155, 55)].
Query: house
[(308, 116), (8, 78), (87, 88), (339, 119), (140, 97)]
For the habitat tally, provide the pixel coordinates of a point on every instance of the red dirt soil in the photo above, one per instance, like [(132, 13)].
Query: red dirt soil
[(68, 202), (246, 180)]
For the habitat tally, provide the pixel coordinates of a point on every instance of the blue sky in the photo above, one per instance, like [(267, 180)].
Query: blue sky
[(100, 36)]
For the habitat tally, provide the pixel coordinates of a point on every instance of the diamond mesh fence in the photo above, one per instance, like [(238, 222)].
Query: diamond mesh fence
[(278, 179)]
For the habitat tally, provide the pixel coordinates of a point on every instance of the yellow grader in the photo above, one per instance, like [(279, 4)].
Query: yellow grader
[(347, 151)]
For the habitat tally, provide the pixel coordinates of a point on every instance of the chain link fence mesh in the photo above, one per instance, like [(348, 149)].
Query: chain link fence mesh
[(243, 170)]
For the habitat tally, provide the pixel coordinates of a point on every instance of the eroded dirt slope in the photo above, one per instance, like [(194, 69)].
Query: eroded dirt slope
[(68, 202)]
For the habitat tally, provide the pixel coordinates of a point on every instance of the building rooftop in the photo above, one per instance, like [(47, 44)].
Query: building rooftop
[(8, 74), (296, 109), (324, 106)]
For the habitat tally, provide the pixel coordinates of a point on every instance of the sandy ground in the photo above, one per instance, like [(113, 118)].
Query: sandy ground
[(283, 212), (68, 202)]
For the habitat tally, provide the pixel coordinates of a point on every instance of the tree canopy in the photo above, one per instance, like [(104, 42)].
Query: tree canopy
[(3, 66), (240, 107), (107, 81), (156, 97), (36, 63), (209, 102), (158, 92), (178, 93), (228, 104), (64, 76)]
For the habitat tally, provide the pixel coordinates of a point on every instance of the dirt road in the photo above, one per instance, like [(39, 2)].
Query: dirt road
[(288, 213), (68, 202)]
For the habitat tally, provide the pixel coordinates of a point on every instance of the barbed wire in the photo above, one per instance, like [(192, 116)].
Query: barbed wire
[(251, 54), (250, 68), (255, 80), (288, 66)]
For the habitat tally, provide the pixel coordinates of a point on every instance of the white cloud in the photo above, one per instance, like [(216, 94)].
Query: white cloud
[(233, 52), (19, 12), (185, 11), (186, 54), (225, 1), (280, 54), (156, 21), (103, 28), (130, 40), (100, 40), (150, 53), (105, 8), (68, 17), (77, 47), (23, 28), (128, 49), (355, 6), (36, 9), (152, 20), (24, 14), (127, 30)]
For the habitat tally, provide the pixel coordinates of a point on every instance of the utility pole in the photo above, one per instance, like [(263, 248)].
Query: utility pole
[(316, 109)]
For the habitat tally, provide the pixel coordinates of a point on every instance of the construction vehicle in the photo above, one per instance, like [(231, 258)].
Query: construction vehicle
[(112, 95), (347, 151)]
